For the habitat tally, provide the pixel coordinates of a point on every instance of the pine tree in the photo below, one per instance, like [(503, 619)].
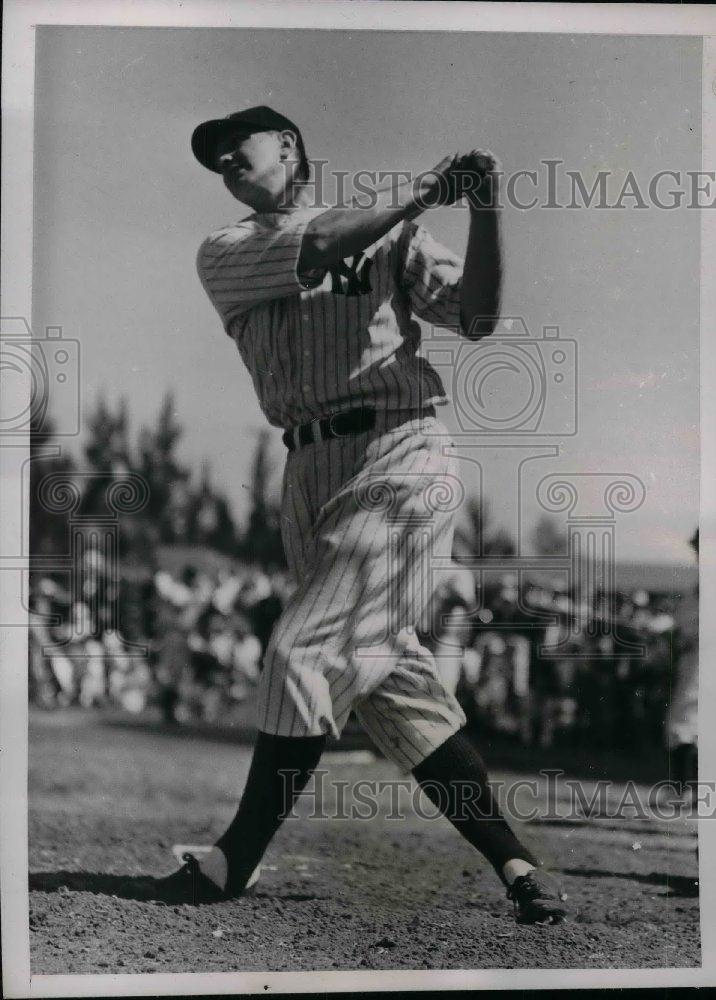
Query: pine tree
[(48, 530), (210, 519), (107, 445), (547, 539), (262, 541), (166, 479), (477, 537)]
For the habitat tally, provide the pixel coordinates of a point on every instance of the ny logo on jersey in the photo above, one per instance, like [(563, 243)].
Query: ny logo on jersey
[(353, 280)]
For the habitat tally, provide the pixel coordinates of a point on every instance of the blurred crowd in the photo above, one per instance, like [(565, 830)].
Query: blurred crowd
[(532, 662), (548, 670), (190, 644)]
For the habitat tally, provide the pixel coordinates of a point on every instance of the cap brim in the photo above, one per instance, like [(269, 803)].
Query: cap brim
[(205, 139)]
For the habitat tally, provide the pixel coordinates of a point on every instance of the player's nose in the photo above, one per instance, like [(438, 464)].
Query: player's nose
[(225, 160)]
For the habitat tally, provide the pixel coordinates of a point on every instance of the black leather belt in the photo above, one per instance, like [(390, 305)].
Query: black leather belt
[(339, 425)]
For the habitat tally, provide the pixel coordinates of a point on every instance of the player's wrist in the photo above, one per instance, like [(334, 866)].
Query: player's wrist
[(478, 208), (484, 195), (431, 189)]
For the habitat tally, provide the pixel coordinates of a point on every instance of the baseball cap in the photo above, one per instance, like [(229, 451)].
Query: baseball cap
[(259, 119)]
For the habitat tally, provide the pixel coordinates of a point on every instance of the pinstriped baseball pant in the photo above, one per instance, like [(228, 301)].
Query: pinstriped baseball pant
[(361, 517)]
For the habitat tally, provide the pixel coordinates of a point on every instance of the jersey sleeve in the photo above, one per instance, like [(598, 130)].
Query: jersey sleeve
[(432, 277), (247, 264)]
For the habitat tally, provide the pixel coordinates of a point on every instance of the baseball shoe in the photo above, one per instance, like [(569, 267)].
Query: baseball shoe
[(538, 899), (189, 885)]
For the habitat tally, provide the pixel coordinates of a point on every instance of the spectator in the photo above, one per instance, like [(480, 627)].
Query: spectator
[(198, 644), (682, 721), (264, 613)]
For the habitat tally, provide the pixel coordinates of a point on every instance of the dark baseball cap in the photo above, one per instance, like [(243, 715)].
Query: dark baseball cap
[(206, 136)]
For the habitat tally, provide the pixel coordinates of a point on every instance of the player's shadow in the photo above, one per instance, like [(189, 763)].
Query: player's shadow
[(124, 886), (584, 823), (141, 888), (675, 885)]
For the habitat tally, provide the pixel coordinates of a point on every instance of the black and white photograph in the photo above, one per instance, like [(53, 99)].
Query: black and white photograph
[(357, 516)]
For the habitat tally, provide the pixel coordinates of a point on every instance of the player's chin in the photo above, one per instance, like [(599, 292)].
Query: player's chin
[(236, 186)]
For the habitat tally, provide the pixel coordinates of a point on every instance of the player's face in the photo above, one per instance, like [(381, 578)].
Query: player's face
[(251, 164)]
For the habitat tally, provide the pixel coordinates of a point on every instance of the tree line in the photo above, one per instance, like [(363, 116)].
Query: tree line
[(182, 507), (187, 508)]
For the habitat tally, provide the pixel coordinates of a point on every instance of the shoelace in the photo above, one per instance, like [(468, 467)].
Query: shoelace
[(191, 863), (193, 871)]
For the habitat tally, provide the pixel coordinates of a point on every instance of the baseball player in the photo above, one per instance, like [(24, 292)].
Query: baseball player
[(321, 304), (682, 715)]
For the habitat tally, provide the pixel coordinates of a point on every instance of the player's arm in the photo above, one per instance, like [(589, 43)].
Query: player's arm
[(482, 274), (346, 232), (449, 291)]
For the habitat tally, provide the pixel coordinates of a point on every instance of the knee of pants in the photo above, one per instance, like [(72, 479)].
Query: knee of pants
[(409, 730), (293, 701)]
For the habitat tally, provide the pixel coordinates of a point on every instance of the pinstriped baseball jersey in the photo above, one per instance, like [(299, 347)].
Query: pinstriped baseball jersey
[(322, 343)]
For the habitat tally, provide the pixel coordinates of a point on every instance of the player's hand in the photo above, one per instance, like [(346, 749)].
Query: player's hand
[(476, 177), (473, 175)]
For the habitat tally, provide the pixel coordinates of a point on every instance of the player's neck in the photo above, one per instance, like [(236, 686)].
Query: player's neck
[(299, 195), (292, 195)]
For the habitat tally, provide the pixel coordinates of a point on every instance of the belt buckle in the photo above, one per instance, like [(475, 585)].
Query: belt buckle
[(315, 426), (296, 437), (335, 419)]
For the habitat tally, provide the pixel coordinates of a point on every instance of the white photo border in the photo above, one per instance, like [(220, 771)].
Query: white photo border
[(20, 19)]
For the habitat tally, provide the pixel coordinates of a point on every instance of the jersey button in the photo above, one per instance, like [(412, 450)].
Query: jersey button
[(306, 388)]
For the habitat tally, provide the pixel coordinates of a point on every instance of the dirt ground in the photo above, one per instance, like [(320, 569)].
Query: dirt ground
[(335, 893)]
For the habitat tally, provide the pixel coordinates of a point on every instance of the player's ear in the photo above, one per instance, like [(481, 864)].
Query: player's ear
[(287, 144)]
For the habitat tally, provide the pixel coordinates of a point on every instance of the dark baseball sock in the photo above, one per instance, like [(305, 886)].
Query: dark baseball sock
[(685, 766), (280, 769), (454, 778)]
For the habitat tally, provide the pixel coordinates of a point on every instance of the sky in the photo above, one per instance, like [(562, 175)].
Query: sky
[(121, 207)]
